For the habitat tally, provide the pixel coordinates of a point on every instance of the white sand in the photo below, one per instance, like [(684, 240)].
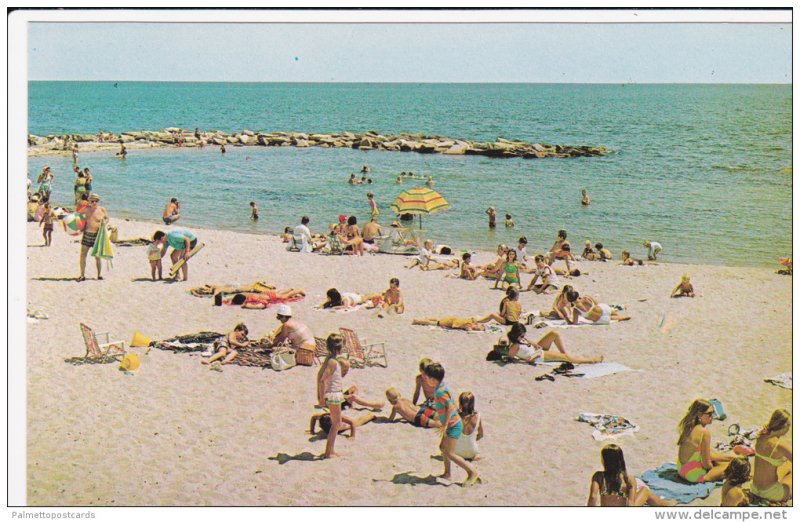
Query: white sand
[(176, 433)]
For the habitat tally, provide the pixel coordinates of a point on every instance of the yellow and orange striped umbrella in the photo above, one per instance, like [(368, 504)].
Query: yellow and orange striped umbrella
[(419, 200)]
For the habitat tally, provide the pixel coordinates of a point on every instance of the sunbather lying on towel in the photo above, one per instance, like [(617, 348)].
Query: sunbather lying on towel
[(211, 290), (260, 300), (340, 300), (614, 486), (452, 323), (524, 350), (418, 416)]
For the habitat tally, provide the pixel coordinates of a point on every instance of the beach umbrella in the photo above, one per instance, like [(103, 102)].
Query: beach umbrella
[(419, 201), (73, 223)]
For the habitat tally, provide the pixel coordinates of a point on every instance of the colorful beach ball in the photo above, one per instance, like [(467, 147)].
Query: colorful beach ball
[(73, 224)]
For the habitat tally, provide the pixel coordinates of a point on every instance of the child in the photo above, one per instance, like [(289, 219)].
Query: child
[(373, 207), (420, 417), (589, 254), (522, 250), (155, 251), (287, 235), (392, 298), (329, 389), (549, 278), (585, 199), (492, 216), (736, 474), (445, 412), (419, 386), (467, 272), (627, 260), (430, 181), (254, 215), (227, 347), (347, 423), (47, 224), (654, 249), (684, 288), (467, 445), (509, 221), (351, 397), (603, 254)]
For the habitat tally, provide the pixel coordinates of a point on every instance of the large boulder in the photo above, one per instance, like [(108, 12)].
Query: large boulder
[(300, 143), (248, 132), (172, 129), (247, 139), (458, 148)]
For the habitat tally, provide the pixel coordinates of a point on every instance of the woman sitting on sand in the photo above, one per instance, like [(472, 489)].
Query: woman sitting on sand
[(615, 487), (696, 461), (772, 475), (592, 311), (509, 274), (510, 308), (561, 307), (339, 301), (523, 350)]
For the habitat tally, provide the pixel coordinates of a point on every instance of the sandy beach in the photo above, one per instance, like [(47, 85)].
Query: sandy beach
[(175, 433)]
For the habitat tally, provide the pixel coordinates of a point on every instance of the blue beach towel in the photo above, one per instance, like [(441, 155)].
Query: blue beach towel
[(666, 483)]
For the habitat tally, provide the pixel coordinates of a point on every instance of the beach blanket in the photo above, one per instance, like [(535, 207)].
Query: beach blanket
[(590, 371), (784, 380), (666, 483), (102, 246), (555, 323), (608, 426), (198, 342)]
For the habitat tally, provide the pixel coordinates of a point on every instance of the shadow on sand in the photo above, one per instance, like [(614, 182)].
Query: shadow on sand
[(283, 458), (74, 279), (408, 479)]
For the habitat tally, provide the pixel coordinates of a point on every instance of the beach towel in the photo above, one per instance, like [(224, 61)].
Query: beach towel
[(784, 380), (590, 371), (666, 483), (560, 323), (341, 310), (198, 342), (102, 246), (608, 426)]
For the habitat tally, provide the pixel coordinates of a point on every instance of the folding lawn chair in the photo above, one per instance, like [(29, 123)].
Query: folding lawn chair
[(362, 354)]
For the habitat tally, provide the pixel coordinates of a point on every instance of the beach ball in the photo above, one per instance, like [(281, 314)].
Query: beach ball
[(129, 363), (73, 224)]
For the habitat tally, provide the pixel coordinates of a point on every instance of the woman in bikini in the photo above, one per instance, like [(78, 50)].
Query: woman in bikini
[(452, 323), (340, 300), (526, 351), (591, 310), (772, 475), (561, 307), (615, 487), (696, 462), (352, 236), (509, 273)]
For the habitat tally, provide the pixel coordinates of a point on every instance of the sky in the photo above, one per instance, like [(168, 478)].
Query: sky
[(403, 52)]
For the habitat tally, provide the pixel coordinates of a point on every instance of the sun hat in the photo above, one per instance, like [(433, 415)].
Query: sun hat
[(342, 218), (285, 310), (94, 195)]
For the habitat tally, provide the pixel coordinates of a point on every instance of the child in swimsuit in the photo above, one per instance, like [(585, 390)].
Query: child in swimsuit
[(684, 288), (604, 254), (492, 217), (228, 346), (330, 384), (589, 254), (467, 444), (419, 385), (392, 298), (737, 473), (467, 272), (47, 224), (509, 221), (254, 214), (155, 252), (549, 278), (421, 417)]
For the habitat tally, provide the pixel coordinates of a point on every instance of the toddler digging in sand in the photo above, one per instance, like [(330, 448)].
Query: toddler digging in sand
[(684, 288)]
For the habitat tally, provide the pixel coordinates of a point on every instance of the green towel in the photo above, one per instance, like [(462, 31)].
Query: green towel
[(102, 245)]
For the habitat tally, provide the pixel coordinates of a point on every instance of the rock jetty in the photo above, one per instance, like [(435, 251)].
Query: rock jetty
[(370, 140)]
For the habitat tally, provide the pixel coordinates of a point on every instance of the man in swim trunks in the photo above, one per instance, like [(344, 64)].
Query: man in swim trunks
[(96, 217), (371, 231), (171, 212)]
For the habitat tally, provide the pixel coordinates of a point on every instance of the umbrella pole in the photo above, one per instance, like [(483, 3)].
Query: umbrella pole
[(420, 221)]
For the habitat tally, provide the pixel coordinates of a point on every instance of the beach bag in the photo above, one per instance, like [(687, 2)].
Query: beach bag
[(304, 357), (499, 351), (282, 360)]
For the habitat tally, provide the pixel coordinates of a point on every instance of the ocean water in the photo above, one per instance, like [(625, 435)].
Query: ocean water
[(703, 169)]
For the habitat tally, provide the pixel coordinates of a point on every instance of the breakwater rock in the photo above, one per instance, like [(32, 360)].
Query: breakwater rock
[(370, 140)]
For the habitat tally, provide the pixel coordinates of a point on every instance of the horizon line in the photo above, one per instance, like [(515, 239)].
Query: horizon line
[(427, 82)]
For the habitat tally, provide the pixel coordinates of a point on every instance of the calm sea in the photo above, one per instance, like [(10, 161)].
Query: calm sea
[(703, 169)]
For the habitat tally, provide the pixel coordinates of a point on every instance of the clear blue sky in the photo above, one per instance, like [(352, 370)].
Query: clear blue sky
[(582, 53)]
